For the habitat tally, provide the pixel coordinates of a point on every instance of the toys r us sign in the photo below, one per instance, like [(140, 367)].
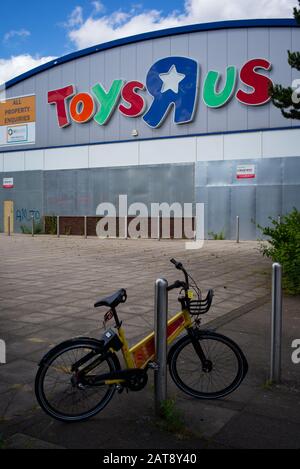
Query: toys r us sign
[(170, 82)]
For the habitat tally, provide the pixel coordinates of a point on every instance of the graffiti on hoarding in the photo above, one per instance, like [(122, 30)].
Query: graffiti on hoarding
[(171, 82), (23, 214)]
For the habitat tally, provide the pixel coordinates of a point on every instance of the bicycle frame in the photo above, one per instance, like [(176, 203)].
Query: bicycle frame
[(142, 353)]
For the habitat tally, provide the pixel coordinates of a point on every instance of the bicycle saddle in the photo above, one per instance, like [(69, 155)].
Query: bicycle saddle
[(113, 300)]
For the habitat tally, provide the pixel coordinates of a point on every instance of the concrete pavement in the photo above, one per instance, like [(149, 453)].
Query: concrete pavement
[(48, 287)]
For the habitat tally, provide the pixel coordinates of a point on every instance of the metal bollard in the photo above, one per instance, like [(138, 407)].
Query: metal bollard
[(276, 323), (32, 225), (237, 229), (8, 226), (158, 228), (161, 319), (57, 227), (126, 227), (85, 227)]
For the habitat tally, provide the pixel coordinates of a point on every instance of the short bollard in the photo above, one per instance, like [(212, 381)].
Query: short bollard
[(161, 319), (57, 227), (276, 323), (158, 228), (237, 229), (32, 225), (8, 226), (126, 227), (85, 227)]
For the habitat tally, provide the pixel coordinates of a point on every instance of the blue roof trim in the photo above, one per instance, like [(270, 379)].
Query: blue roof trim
[(256, 23)]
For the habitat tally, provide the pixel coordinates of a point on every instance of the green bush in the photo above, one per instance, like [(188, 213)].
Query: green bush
[(284, 247), (51, 224), (38, 229), (217, 236)]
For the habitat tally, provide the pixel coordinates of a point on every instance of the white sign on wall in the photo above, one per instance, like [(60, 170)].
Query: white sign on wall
[(8, 183), (246, 171)]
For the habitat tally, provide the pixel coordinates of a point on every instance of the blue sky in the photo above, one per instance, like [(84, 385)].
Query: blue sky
[(35, 32), (46, 22)]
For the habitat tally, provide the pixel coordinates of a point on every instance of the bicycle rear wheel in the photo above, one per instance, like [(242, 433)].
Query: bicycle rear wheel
[(220, 374), (60, 394)]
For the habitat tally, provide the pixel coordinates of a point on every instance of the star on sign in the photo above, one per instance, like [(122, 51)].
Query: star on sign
[(171, 80)]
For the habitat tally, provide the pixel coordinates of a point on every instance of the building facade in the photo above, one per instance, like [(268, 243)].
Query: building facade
[(179, 115)]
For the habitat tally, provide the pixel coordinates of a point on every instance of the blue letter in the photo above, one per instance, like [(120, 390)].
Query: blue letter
[(172, 81)]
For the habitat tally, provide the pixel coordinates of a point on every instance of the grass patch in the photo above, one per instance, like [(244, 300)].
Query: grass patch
[(268, 385), (2, 442), (171, 419)]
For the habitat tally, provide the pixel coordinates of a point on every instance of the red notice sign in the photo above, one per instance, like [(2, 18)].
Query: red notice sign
[(245, 171)]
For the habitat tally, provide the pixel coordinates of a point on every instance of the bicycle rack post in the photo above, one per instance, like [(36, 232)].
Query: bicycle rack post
[(32, 225), (57, 227), (8, 226), (276, 323), (85, 227), (161, 319), (237, 229)]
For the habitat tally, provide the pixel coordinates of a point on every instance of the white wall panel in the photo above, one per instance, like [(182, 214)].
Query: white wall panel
[(247, 145), (176, 150), (34, 160), (119, 154), (270, 144), (210, 148), (14, 161), (281, 143), (67, 158)]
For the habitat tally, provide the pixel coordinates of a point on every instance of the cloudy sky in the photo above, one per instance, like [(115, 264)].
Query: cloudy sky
[(36, 32)]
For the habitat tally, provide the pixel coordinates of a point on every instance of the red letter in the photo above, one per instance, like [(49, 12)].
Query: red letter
[(59, 97), (137, 103), (259, 83)]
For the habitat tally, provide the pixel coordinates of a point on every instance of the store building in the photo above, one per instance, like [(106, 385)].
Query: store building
[(179, 115)]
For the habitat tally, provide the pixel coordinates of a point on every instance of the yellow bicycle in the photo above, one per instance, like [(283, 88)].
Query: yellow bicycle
[(77, 378)]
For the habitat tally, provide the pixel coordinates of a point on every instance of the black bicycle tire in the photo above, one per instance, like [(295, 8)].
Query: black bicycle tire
[(241, 372), (51, 356)]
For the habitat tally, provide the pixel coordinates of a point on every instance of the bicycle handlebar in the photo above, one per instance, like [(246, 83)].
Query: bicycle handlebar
[(179, 266), (177, 284)]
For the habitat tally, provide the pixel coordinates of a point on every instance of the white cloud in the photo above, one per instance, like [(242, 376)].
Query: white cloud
[(21, 33), (98, 7), (76, 18), (98, 28), (17, 65)]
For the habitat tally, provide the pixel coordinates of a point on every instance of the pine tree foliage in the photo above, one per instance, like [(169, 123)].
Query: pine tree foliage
[(284, 98)]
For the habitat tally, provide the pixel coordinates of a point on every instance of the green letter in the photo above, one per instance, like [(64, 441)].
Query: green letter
[(107, 100), (210, 95)]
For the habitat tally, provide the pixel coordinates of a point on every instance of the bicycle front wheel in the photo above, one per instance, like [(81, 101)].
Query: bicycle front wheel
[(60, 393), (217, 373)]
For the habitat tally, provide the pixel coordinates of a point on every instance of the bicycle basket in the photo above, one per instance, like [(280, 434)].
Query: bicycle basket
[(201, 306)]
